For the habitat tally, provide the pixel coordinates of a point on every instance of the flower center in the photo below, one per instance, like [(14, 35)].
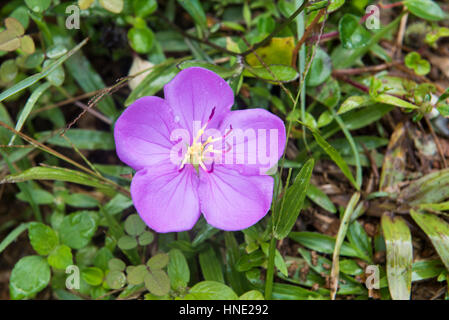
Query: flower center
[(197, 152)]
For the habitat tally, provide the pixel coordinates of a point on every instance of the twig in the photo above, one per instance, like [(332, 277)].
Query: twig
[(437, 141)]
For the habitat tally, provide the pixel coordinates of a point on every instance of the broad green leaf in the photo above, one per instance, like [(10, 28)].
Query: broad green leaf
[(92, 275), (320, 68), (136, 274), (29, 276), (352, 34), (77, 229), (143, 8), (398, 241), (293, 202), (276, 73), (158, 261), (39, 196), (211, 290), (157, 282), (115, 279), (145, 238), (277, 51), (426, 269), (134, 225), (127, 243), (38, 5), (116, 264), (425, 9), (322, 243), (178, 269), (60, 257), (437, 230), (43, 238), (252, 295), (211, 266), (141, 39)]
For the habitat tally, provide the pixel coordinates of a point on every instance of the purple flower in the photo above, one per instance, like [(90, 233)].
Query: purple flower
[(193, 155)]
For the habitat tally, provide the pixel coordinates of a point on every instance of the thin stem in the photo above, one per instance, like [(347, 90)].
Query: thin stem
[(270, 269)]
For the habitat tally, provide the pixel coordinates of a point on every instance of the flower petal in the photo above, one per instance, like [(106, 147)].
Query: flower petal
[(255, 143), (142, 133), (166, 199), (194, 93), (230, 201)]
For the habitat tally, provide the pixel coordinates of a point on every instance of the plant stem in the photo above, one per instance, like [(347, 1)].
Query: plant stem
[(270, 269)]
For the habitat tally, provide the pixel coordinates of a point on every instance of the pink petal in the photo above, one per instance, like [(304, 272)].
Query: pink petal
[(194, 93), (142, 133), (255, 143), (230, 201), (166, 199)]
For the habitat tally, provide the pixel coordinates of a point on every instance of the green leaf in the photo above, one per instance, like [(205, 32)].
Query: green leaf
[(398, 241), (114, 6), (27, 82), (336, 157), (127, 243), (194, 8), (414, 61), (136, 274), (355, 102), (211, 266), (29, 276), (83, 139), (437, 230), (116, 264), (352, 34), (92, 275), (134, 225), (158, 261), (221, 71), (60, 257), (54, 173), (157, 282), (252, 295), (178, 269), (279, 73), (432, 188), (322, 243), (143, 8), (77, 229), (360, 241), (146, 238), (43, 238), (320, 69), (29, 105), (293, 202), (154, 81), (38, 5), (320, 198), (425, 9), (115, 279), (8, 71), (277, 52), (141, 39), (211, 290)]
